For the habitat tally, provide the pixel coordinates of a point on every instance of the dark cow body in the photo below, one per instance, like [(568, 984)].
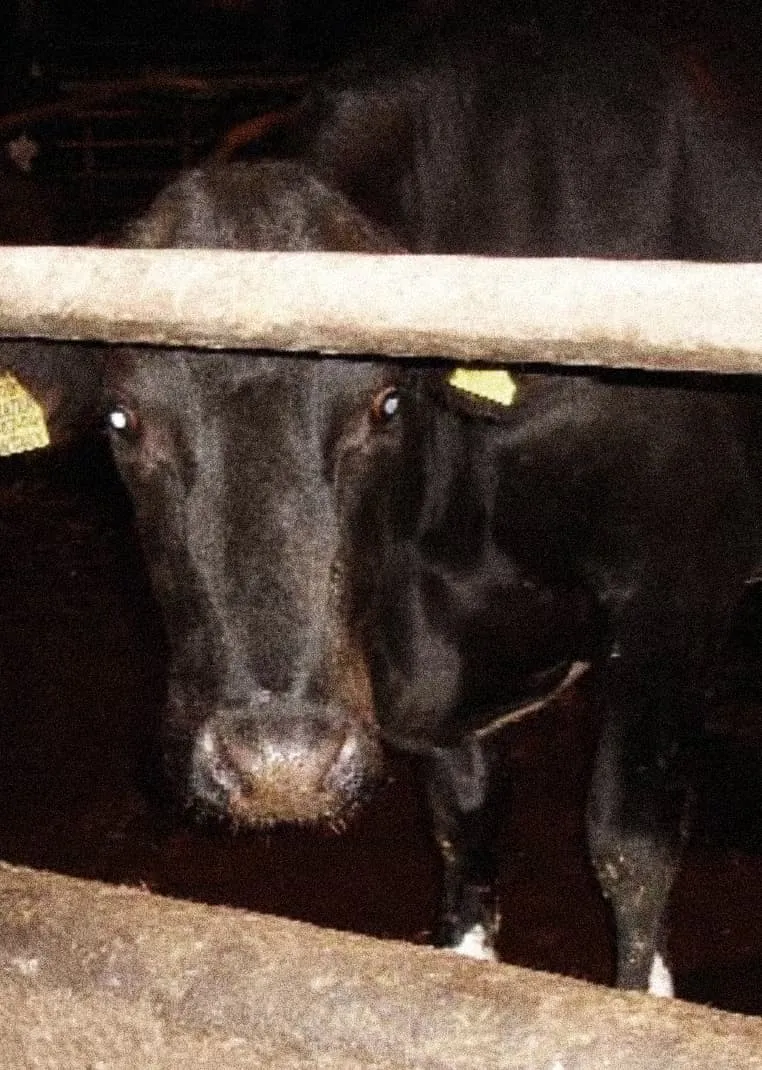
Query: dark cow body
[(348, 553), (506, 146)]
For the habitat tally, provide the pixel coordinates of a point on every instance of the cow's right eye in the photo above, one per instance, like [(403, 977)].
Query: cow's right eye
[(385, 406), (122, 420)]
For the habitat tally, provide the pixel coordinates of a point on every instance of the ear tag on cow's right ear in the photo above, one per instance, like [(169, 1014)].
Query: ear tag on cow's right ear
[(493, 384), (22, 419)]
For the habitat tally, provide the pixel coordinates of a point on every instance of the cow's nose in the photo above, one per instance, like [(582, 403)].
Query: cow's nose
[(283, 765)]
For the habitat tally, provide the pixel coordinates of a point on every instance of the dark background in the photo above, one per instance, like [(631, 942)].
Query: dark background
[(81, 647), (111, 154), (310, 31)]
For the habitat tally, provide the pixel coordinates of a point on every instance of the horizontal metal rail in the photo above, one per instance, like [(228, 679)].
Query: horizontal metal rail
[(657, 315), (82, 96)]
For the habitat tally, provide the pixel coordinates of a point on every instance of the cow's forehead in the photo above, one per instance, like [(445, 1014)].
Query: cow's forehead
[(173, 378)]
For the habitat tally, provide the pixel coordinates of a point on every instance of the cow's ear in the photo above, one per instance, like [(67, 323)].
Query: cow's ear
[(49, 393), (480, 392)]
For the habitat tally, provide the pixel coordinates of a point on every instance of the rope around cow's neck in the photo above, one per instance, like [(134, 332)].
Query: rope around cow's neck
[(518, 713)]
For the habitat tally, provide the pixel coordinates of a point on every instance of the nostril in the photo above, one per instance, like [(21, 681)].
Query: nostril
[(214, 775), (348, 770)]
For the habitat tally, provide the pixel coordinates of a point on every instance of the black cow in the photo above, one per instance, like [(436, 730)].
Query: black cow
[(355, 552)]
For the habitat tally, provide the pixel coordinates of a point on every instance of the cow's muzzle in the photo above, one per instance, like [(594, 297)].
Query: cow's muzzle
[(283, 762)]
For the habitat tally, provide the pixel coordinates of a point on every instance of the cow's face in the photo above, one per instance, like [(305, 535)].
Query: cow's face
[(328, 543), (255, 481)]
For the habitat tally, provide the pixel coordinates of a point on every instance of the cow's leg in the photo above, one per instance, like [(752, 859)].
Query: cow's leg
[(638, 805), (460, 793)]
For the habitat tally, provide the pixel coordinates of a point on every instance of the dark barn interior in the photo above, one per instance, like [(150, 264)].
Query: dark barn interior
[(100, 107)]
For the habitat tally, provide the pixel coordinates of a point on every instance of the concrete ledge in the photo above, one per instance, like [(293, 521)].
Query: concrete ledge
[(99, 976)]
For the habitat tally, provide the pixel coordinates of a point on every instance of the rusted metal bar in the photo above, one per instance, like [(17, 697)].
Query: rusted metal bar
[(666, 315), (84, 96), (92, 975)]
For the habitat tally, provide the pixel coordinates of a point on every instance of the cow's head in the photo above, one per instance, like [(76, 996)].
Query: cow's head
[(318, 537), (250, 477), (231, 462), (318, 532)]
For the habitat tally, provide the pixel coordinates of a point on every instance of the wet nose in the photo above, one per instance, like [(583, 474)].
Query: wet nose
[(283, 764)]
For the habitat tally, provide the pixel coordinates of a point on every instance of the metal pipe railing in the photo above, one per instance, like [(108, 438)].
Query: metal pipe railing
[(657, 315)]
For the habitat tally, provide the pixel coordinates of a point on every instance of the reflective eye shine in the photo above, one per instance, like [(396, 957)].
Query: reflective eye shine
[(123, 421), (118, 420), (386, 405)]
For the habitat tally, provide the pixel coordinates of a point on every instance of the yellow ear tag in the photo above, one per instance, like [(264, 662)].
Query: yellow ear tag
[(22, 419), (494, 384)]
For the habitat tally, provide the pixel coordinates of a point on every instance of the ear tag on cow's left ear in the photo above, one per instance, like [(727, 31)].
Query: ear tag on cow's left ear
[(493, 384), (22, 419)]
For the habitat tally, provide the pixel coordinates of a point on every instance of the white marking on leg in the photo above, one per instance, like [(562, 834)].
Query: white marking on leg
[(475, 945), (660, 981)]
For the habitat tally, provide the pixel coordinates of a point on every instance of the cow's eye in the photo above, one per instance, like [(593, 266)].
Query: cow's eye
[(122, 420), (385, 405)]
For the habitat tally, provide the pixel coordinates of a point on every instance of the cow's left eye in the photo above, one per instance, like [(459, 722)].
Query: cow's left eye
[(122, 420), (385, 405)]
